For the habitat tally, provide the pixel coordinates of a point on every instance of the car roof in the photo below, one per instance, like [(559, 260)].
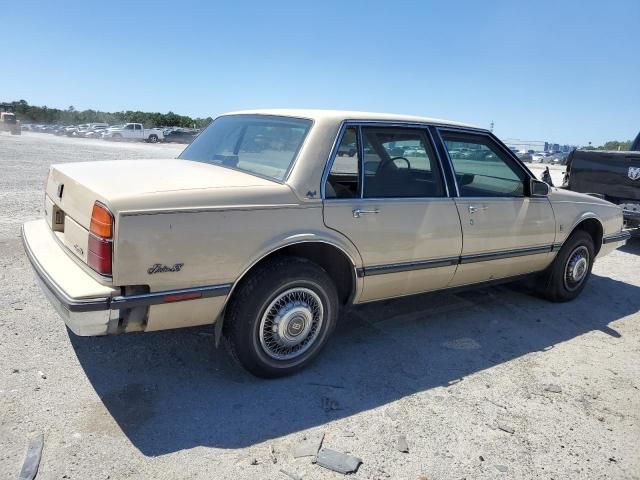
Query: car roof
[(340, 115)]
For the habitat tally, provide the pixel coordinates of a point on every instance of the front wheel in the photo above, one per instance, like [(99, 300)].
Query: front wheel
[(569, 272), (281, 316)]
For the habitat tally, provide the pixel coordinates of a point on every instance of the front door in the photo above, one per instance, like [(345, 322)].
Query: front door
[(385, 192), (506, 232)]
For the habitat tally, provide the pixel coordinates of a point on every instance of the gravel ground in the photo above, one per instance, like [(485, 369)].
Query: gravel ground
[(493, 383)]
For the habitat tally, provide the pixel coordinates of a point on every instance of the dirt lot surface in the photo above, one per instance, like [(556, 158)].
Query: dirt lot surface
[(493, 383)]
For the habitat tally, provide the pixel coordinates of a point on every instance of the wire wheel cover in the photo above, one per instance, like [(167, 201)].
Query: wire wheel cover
[(291, 323)]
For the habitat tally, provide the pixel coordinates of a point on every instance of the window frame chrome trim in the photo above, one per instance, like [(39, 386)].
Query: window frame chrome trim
[(449, 162)]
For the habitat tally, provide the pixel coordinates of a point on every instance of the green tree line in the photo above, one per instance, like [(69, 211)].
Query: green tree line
[(35, 114), (610, 145)]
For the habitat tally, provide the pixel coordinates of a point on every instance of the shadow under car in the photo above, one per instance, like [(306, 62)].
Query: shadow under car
[(172, 390)]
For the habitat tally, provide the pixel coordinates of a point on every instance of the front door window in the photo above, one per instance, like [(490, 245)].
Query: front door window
[(482, 169)]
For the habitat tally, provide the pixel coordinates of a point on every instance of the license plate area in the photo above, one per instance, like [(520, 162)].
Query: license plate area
[(54, 215)]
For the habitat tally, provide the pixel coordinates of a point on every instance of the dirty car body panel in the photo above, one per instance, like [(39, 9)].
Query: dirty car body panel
[(421, 205)]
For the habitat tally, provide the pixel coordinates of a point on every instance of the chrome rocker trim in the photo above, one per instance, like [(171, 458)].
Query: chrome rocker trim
[(450, 261), (617, 237)]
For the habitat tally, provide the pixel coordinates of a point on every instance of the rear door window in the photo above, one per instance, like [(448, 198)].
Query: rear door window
[(399, 162)]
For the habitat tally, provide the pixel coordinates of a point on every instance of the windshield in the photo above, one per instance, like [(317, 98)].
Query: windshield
[(258, 144)]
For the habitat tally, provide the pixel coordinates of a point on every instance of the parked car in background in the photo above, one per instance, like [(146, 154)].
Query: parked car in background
[(133, 131), (92, 130), (347, 150), (9, 123), (614, 175), (96, 132), (180, 135), (73, 131), (540, 157), (525, 155), (558, 158), (262, 229)]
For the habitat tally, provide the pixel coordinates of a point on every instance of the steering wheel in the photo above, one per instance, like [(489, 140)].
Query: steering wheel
[(388, 162)]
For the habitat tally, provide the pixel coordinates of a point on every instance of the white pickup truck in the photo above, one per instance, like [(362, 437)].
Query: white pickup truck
[(133, 131)]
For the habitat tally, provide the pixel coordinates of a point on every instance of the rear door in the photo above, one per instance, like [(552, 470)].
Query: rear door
[(385, 192), (505, 232)]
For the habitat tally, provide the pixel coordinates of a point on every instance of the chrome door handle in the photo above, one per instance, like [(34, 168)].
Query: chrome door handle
[(358, 212), (474, 209)]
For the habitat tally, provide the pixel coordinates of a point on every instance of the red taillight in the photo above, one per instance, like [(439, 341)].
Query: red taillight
[(99, 256)]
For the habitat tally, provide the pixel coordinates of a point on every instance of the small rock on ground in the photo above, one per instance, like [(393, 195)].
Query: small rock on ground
[(553, 388), (402, 445)]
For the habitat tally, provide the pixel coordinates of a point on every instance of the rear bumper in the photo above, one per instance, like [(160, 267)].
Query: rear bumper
[(88, 307), (82, 302)]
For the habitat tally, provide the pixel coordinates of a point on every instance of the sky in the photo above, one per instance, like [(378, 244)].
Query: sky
[(566, 71)]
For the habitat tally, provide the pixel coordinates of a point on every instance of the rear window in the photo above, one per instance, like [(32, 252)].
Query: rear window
[(258, 144)]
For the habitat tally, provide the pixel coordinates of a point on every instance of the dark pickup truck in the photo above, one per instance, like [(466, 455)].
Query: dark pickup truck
[(612, 175)]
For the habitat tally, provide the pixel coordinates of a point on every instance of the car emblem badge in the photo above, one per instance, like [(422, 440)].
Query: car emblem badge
[(159, 268), (634, 173)]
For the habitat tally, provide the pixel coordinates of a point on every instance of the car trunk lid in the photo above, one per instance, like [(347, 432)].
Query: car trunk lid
[(73, 189)]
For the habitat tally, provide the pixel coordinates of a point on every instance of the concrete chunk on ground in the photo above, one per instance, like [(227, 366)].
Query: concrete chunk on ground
[(291, 475), (309, 446), (553, 388), (337, 461), (402, 445), (32, 459)]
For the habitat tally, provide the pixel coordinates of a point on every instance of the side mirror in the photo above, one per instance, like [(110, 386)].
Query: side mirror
[(538, 188)]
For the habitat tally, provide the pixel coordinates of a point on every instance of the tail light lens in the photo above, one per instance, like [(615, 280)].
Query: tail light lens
[(101, 221), (99, 255), (100, 252)]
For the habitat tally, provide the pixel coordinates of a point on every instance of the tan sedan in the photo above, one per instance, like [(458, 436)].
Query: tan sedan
[(272, 221)]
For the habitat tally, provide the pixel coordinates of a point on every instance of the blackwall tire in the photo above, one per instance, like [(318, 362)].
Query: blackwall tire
[(570, 270), (281, 316)]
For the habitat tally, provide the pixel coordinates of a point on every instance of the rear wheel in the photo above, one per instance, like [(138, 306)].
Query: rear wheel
[(153, 138), (569, 272), (281, 316)]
